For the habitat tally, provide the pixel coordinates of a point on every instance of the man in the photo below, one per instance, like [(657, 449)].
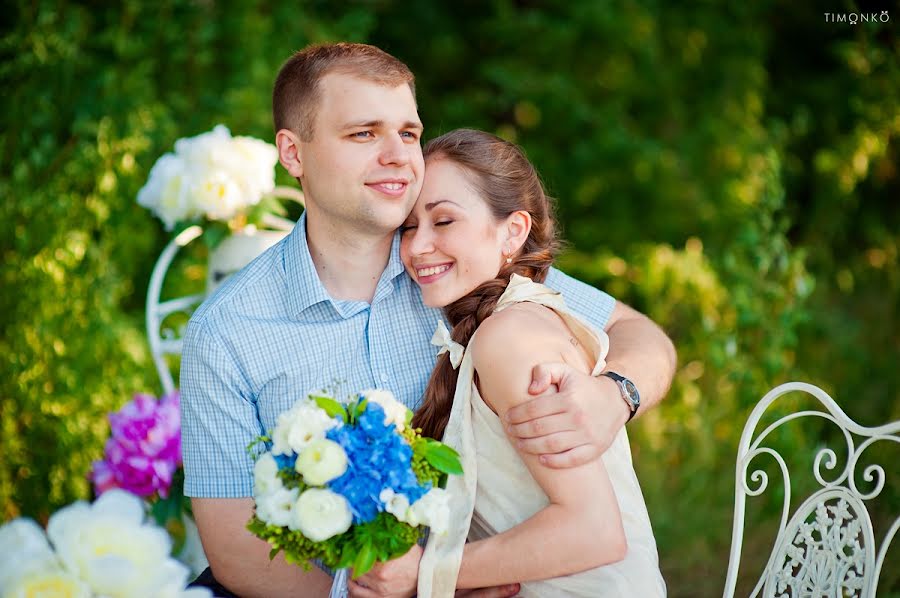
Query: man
[(330, 306)]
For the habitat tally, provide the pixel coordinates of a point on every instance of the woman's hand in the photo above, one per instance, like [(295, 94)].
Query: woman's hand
[(394, 579)]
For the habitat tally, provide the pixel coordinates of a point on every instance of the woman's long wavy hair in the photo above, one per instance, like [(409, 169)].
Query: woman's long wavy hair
[(504, 178)]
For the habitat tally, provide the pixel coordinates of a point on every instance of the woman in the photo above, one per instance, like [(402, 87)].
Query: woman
[(479, 240)]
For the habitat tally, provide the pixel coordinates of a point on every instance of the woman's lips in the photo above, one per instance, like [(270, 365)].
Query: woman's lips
[(428, 274)]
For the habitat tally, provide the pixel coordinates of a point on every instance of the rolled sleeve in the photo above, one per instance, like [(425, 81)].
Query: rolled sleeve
[(218, 419), (592, 304)]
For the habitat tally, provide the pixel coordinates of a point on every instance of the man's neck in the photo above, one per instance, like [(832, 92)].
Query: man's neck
[(348, 263)]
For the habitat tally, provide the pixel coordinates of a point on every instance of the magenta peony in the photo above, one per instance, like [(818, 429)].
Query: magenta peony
[(144, 450)]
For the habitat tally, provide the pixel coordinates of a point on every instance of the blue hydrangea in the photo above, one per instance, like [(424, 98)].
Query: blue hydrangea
[(378, 458)]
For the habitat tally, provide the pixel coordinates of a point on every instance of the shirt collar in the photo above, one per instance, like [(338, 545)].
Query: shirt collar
[(303, 284)]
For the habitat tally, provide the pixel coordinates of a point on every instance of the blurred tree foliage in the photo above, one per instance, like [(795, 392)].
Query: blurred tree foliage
[(731, 170)]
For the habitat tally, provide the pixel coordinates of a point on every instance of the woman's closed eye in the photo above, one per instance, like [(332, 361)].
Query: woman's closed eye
[(407, 227), (443, 223)]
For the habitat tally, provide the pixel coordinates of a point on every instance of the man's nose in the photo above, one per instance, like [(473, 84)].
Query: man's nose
[(394, 150)]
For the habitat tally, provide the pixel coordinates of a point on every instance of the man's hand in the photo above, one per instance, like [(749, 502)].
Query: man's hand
[(574, 418)]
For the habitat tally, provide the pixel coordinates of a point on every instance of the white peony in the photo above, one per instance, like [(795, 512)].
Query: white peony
[(321, 514), (167, 191), (432, 510), (49, 583), (25, 551), (217, 195), (213, 175), (265, 475), (277, 507), (395, 504), (300, 425), (109, 547), (395, 412), (321, 461)]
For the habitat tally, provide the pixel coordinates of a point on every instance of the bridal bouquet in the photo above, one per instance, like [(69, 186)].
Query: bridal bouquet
[(102, 549), (215, 177), (349, 485)]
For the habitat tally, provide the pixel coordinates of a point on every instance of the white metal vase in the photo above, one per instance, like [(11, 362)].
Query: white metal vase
[(236, 251)]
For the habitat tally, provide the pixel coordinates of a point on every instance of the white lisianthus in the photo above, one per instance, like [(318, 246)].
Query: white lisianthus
[(277, 507), (25, 551), (50, 583), (395, 504), (109, 547), (321, 461), (432, 510), (256, 162), (394, 411), (321, 514), (265, 475), (300, 425)]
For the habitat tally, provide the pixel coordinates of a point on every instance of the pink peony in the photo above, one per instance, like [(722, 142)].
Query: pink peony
[(144, 450)]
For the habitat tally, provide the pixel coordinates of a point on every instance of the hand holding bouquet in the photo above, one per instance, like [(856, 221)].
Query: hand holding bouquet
[(349, 485)]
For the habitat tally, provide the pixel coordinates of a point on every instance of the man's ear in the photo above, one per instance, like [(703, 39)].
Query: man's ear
[(518, 225), (288, 145)]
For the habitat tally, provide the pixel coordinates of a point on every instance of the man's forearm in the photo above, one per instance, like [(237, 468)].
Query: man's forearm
[(641, 351), (240, 561)]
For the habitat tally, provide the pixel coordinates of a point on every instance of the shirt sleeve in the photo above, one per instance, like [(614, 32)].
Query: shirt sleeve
[(592, 304), (218, 418)]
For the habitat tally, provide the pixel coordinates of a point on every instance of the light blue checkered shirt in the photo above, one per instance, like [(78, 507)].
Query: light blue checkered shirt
[(272, 333)]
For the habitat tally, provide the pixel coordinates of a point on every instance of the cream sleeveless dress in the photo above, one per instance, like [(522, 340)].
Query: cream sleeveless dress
[(496, 491)]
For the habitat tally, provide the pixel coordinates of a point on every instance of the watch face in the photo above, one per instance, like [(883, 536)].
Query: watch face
[(632, 391)]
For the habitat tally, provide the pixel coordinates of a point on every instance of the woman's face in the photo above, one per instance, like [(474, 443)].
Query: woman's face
[(451, 243)]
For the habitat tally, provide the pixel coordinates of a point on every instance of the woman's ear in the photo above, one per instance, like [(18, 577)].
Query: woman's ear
[(288, 145), (518, 225)]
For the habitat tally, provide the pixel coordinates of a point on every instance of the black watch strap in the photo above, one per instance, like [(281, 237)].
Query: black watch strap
[(628, 390)]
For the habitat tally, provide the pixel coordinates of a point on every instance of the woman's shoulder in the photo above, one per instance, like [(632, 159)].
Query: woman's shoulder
[(524, 332)]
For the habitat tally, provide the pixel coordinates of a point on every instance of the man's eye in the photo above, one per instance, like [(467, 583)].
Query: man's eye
[(410, 135), (362, 134)]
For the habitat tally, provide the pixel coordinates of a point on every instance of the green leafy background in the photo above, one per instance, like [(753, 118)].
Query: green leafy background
[(730, 169)]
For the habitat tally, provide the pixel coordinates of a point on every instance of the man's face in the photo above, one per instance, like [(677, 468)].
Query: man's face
[(363, 168)]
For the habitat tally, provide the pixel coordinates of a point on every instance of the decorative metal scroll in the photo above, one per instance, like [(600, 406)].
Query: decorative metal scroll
[(827, 548), (163, 339)]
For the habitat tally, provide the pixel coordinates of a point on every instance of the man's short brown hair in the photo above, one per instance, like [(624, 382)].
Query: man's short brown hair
[(297, 92)]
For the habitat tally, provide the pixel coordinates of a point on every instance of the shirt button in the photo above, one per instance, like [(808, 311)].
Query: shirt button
[(384, 377)]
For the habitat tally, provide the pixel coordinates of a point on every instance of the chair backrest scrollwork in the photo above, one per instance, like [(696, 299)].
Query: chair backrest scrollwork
[(828, 546)]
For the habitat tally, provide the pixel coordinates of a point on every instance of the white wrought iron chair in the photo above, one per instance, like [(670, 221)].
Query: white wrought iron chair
[(163, 339), (827, 547)]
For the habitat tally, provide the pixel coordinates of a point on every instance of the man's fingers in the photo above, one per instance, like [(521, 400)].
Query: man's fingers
[(542, 426), (546, 375), (535, 408), (559, 442), (571, 458)]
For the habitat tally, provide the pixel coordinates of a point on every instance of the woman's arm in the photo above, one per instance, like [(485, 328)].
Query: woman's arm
[(581, 528)]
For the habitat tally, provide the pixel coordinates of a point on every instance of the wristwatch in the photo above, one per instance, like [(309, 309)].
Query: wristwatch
[(629, 391)]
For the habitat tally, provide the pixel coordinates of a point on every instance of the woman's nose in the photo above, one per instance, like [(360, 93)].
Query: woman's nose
[(421, 242)]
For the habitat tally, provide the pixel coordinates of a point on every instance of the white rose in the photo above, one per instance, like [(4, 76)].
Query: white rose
[(321, 514), (50, 583), (394, 411), (265, 475), (109, 547), (300, 425), (395, 504), (25, 551), (432, 510), (321, 461), (277, 507)]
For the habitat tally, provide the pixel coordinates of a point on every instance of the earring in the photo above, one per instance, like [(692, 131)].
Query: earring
[(508, 260)]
